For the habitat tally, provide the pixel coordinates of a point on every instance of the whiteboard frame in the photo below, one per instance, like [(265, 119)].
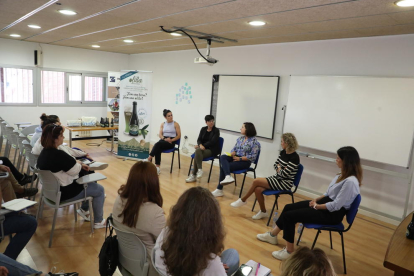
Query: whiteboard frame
[(214, 80)]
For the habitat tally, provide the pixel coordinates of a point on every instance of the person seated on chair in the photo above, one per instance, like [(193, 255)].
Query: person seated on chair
[(44, 120), (306, 261), (243, 154), (286, 167), (23, 179), (138, 207), (66, 169), (10, 185), (18, 223), (169, 133), (192, 242), (207, 146), (328, 209)]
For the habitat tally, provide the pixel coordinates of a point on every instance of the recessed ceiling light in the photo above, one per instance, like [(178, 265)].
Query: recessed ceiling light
[(67, 12), (15, 35), (128, 41), (176, 34), (96, 46), (257, 23), (34, 26), (405, 3)]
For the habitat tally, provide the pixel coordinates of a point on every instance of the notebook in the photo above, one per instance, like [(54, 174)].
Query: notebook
[(18, 204), (263, 271)]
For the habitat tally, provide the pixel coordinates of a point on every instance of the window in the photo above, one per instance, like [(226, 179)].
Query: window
[(72, 88), (53, 87), (16, 85)]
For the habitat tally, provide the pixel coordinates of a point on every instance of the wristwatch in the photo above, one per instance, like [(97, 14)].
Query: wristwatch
[(241, 159)]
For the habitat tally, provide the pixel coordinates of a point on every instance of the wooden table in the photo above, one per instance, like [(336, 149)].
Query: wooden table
[(400, 252), (75, 129)]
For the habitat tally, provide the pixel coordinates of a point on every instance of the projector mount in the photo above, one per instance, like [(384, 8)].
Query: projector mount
[(200, 35)]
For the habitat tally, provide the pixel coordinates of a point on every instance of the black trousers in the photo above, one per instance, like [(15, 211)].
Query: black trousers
[(158, 148), (14, 171), (301, 212)]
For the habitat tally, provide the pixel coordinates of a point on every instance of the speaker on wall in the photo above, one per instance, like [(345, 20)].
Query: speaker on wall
[(38, 58), (35, 57)]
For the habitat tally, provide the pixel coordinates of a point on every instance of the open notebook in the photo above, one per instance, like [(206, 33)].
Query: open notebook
[(18, 204), (263, 271)]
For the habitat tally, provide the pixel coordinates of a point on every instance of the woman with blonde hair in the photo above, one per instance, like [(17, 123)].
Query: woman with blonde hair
[(193, 239), (308, 262), (286, 167)]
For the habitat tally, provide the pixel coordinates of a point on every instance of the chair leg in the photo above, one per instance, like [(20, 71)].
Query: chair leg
[(191, 164), (23, 163), (19, 160), (172, 162), (293, 200), (53, 228), (39, 209), (241, 190), (273, 208), (343, 250), (15, 156), (91, 214), (211, 167), (254, 204), (330, 237), (179, 162), (235, 180), (300, 236), (316, 238), (75, 212)]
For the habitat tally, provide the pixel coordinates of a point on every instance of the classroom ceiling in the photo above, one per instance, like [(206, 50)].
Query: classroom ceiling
[(108, 22)]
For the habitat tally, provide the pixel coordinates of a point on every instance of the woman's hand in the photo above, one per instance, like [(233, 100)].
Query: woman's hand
[(196, 146), (85, 167), (312, 204), (202, 147), (226, 267), (233, 153), (236, 158), (4, 168), (3, 271), (88, 156), (169, 140)]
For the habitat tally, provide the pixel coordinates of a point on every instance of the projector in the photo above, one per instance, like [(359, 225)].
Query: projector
[(200, 60)]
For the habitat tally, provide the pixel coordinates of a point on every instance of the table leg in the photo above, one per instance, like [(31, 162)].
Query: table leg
[(112, 144), (70, 139)]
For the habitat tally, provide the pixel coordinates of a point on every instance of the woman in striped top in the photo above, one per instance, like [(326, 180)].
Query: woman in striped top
[(286, 167)]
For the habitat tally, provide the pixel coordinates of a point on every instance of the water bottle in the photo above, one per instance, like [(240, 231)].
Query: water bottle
[(275, 218), (300, 228)]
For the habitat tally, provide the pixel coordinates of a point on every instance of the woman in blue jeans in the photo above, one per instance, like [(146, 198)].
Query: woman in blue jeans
[(66, 169), (192, 242), (242, 155)]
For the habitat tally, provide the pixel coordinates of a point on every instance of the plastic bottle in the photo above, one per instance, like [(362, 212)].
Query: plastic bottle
[(275, 218), (300, 228)]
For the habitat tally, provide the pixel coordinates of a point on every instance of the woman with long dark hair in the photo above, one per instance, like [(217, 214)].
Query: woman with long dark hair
[(193, 239), (330, 208), (138, 207)]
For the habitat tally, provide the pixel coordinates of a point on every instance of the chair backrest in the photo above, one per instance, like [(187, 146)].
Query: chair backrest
[(50, 186), (20, 140), (32, 159), (221, 143), (353, 210), (178, 142), (257, 160), (153, 263), (298, 175), (29, 130), (132, 253)]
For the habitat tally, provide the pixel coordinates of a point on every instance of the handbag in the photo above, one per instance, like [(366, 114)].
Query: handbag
[(108, 256)]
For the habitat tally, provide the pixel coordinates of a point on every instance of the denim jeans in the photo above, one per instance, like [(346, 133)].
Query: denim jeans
[(23, 226), (15, 268), (230, 257), (96, 191), (227, 165)]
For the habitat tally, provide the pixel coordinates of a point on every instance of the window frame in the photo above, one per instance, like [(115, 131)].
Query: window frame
[(81, 103), (35, 84)]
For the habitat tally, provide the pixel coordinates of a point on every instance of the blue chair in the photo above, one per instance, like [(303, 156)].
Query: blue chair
[(340, 228), (173, 150), (211, 158), (245, 173), (296, 181)]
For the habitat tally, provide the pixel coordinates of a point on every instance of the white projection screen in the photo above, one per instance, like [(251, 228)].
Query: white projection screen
[(247, 99)]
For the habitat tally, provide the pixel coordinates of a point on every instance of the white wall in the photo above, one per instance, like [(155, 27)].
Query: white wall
[(20, 53), (389, 56)]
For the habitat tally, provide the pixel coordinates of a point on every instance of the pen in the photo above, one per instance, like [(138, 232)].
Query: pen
[(257, 268)]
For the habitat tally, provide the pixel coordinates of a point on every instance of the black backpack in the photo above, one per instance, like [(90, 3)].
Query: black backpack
[(108, 257)]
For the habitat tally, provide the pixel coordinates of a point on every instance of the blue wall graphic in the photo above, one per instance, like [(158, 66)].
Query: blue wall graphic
[(184, 95)]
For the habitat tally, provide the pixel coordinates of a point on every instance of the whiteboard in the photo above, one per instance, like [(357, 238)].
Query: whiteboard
[(247, 99), (374, 115)]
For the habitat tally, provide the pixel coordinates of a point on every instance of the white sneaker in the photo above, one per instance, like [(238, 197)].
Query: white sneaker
[(217, 193), (99, 225), (281, 254), (83, 214), (158, 170), (238, 203), (227, 180), (145, 160), (96, 166), (192, 178), (266, 237), (199, 173), (260, 215)]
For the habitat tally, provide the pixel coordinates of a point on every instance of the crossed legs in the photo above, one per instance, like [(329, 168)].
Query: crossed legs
[(258, 186)]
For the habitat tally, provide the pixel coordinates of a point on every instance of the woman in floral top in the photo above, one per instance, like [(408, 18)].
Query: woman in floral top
[(242, 155)]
